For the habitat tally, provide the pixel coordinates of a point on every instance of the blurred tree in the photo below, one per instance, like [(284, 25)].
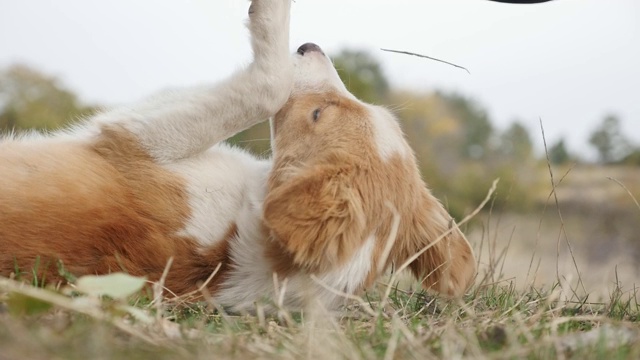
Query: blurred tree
[(459, 155), (558, 153), (633, 158), (609, 141), (431, 129), (362, 74), (32, 100), (474, 122), (516, 143)]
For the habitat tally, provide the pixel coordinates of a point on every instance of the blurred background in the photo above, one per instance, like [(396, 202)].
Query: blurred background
[(569, 67)]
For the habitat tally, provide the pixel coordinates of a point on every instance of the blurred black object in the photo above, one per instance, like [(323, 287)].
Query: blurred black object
[(520, 1)]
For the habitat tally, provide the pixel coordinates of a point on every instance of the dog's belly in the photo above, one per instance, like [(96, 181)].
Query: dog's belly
[(66, 201), (101, 211), (49, 190)]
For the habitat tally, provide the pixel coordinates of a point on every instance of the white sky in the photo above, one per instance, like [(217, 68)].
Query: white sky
[(568, 61)]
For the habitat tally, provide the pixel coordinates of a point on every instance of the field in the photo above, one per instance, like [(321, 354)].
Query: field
[(558, 283)]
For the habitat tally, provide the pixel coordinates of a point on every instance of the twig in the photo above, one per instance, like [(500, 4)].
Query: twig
[(626, 189), (177, 299), (158, 287), (562, 227), (496, 282), (427, 57), (544, 211)]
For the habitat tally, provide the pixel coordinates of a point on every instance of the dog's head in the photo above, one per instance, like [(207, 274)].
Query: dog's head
[(344, 176)]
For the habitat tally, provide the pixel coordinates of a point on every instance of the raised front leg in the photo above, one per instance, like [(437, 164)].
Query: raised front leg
[(181, 123)]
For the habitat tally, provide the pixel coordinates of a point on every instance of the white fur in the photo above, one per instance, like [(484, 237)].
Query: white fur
[(314, 72), (253, 271), (219, 183), (387, 133)]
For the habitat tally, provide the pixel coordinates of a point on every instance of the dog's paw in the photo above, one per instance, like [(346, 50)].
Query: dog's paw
[(269, 27), (269, 9), (272, 69)]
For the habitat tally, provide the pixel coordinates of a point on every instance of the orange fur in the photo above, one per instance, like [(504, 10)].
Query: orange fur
[(99, 208)]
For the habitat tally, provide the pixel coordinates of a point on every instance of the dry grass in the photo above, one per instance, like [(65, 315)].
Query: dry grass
[(494, 321)]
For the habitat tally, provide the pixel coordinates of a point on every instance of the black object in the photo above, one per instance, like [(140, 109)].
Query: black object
[(520, 1)]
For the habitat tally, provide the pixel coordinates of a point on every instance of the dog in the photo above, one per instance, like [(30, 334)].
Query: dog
[(339, 203)]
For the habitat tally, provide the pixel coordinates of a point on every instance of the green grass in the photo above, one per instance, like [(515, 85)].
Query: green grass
[(493, 321)]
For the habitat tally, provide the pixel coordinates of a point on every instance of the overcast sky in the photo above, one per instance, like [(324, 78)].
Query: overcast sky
[(568, 62)]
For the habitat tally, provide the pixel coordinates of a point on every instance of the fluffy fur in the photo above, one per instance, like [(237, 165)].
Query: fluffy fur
[(136, 186)]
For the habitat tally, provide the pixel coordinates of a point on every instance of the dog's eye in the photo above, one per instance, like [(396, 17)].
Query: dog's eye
[(316, 114)]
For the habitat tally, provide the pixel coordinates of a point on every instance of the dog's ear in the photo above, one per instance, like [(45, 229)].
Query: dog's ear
[(453, 271), (449, 265), (317, 216)]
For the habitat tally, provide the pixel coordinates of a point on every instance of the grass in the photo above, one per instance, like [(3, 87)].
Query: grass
[(493, 321)]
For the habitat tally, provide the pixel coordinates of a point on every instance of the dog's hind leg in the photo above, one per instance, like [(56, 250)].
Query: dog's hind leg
[(182, 123)]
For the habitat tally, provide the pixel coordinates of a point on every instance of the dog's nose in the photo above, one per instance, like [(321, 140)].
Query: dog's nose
[(309, 47)]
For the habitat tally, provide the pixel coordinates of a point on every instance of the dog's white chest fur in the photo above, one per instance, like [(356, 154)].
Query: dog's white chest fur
[(225, 186)]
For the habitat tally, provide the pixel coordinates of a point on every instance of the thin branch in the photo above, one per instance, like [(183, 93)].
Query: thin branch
[(626, 189), (563, 230), (427, 57)]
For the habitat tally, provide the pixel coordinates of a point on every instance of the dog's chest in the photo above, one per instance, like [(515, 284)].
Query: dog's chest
[(225, 186)]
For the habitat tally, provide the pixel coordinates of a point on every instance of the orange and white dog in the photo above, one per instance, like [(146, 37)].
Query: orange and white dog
[(342, 198)]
